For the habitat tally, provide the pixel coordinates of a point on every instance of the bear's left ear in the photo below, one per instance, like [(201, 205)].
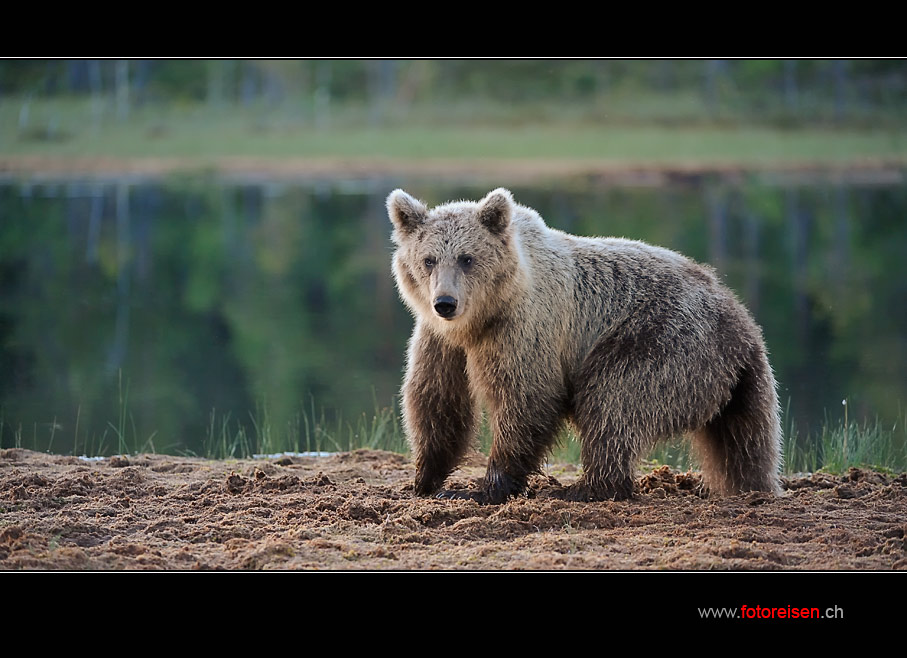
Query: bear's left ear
[(496, 209), (406, 213)]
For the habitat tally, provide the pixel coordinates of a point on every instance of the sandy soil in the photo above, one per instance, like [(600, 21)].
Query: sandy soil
[(357, 511)]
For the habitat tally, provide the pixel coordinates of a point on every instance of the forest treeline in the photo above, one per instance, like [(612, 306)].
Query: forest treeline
[(787, 91)]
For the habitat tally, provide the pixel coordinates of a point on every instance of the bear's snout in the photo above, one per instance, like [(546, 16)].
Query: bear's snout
[(445, 306)]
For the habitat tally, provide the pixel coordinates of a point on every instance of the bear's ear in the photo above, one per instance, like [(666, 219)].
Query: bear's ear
[(496, 209), (406, 213)]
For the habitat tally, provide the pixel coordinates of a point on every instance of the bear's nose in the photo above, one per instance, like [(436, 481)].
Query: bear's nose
[(445, 306)]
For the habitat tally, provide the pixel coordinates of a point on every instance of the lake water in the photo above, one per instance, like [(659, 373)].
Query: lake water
[(162, 311)]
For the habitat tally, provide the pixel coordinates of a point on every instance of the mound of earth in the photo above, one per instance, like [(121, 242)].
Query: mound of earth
[(357, 511)]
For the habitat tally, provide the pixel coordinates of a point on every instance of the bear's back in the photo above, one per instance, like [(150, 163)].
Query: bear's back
[(592, 285)]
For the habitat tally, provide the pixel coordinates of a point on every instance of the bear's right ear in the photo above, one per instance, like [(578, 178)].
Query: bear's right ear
[(406, 213)]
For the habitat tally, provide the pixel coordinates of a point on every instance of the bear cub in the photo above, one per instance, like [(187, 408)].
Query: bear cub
[(628, 342)]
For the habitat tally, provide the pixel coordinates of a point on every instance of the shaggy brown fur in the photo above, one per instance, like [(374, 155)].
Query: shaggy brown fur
[(628, 342)]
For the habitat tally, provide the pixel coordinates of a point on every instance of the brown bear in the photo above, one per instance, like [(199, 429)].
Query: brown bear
[(629, 342)]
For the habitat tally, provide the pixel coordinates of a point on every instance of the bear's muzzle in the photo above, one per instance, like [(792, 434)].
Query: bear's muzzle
[(446, 306)]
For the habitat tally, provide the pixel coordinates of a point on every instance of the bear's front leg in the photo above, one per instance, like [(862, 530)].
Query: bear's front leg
[(525, 428), (439, 413)]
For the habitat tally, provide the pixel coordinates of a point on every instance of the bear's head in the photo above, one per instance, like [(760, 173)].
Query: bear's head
[(453, 263)]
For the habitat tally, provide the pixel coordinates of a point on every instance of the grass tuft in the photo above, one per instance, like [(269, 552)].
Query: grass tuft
[(840, 446), (306, 431)]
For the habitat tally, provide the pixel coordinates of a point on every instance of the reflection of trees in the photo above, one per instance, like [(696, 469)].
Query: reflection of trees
[(323, 327), (117, 350), (211, 296)]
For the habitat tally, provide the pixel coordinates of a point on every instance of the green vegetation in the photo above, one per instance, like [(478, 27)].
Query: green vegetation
[(788, 92), (836, 448), (306, 432), (839, 446), (194, 137), (742, 112)]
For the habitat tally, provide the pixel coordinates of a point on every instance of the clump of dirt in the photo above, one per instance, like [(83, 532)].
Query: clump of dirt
[(356, 510)]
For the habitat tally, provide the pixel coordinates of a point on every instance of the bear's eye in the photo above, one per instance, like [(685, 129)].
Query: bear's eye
[(429, 263), (465, 262)]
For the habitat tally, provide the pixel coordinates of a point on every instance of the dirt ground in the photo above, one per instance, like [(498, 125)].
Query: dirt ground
[(357, 511)]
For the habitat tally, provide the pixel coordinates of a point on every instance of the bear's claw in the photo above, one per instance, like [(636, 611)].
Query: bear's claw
[(452, 494)]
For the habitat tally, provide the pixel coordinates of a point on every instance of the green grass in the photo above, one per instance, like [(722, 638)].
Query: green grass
[(837, 447), (840, 446), (200, 137), (307, 431)]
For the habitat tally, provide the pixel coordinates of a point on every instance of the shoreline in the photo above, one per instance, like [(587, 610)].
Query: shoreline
[(869, 170)]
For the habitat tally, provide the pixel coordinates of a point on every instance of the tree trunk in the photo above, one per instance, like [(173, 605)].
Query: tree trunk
[(122, 89), (791, 91), (323, 95)]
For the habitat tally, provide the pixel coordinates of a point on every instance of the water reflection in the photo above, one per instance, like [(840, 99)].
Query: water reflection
[(156, 310)]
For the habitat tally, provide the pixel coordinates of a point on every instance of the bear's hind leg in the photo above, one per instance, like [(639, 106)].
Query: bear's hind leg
[(740, 448)]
